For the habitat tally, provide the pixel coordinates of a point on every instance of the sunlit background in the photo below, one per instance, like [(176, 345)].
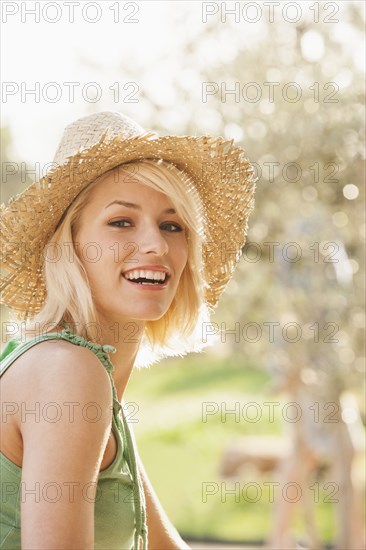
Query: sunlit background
[(287, 83)]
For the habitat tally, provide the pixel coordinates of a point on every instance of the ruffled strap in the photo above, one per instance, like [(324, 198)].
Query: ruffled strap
[(100, 351)]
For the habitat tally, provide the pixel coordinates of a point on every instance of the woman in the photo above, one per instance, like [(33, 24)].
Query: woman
[(124, 248)]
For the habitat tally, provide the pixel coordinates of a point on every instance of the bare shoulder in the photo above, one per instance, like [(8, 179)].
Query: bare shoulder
[(65, 399), (65, 429), (59, 377), (59, 362)]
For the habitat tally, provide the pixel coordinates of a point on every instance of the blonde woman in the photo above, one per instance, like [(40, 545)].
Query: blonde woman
[(113, 260)]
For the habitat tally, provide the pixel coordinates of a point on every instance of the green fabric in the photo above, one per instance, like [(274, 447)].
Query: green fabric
[(120, 508)]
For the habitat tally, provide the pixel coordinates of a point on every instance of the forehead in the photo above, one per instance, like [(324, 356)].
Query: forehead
[(128, 187)]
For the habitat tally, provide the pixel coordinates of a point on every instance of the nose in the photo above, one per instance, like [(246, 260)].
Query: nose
[(152, 241)]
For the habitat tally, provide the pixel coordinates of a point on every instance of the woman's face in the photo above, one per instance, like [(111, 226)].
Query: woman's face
[(129, 235)]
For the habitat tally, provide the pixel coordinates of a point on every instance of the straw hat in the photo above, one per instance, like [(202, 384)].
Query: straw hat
[(96, 143)]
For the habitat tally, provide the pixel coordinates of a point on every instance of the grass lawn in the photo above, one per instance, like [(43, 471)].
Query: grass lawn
[(181, 452)]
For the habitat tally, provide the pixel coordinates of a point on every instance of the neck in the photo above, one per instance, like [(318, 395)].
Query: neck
[(126, 338)]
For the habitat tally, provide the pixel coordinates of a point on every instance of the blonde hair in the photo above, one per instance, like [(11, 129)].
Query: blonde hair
[(68, 292)]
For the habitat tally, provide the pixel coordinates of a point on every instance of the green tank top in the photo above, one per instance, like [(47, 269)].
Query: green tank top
[(120, 508)]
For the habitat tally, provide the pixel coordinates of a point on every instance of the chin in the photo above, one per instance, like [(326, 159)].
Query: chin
[(150, 314), (153, 316)]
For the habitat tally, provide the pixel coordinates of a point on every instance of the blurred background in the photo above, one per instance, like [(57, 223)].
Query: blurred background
[(260, 439)]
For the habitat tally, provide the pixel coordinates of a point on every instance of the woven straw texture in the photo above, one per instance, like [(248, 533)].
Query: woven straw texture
[(90, 146)]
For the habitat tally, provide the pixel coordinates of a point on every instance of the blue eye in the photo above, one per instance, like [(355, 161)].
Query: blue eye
[(120, 223), (172, 227), (166, 226)]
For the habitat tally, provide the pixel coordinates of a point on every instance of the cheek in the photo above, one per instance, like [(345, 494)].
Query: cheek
[(181, 257), (90, 254)]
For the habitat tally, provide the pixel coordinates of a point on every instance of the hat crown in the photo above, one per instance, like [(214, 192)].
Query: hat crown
[(86, 131)]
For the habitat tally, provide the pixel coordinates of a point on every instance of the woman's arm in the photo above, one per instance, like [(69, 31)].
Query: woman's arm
[(61, 459), (161, 533)]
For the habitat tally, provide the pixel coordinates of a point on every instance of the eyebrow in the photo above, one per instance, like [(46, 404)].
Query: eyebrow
[(137, 206)]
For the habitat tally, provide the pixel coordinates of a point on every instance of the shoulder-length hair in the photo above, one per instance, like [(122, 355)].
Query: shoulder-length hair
[(69, 296)]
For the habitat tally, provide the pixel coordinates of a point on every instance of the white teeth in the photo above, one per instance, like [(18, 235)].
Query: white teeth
[(145, 274)]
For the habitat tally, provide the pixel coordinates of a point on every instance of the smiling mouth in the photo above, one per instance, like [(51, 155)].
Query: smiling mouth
[(147, 281)]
